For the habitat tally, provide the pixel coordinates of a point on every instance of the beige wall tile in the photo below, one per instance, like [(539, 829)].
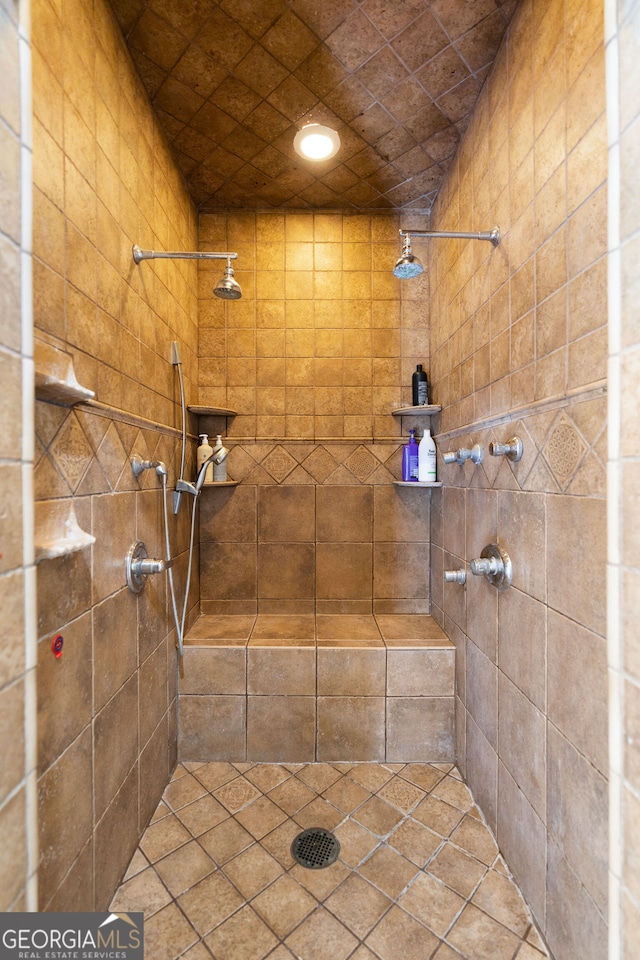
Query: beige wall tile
[(420, 673), (281, 727), (62, 837), (115, 839), (212, 728), (401, 571), (351, 728), (286, 513), (213, 670), (12, 817), (570, 593), (577, 804), (343, 571), (522, 838), (522, 644), (65, 690), (577, 687), (351, 673), (286, 571), (579, 929), (281, 672), (420, 729)]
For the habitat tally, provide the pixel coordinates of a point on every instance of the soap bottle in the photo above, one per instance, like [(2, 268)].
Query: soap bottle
[(410, 458), (427, 459), (419, 387), (220, 461), (203, 453)]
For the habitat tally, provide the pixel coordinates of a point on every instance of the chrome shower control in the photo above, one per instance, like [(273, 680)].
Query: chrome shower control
[(464, 453), (138, 466), (139, 565), (494, 563), (455, 576), (512, 449)]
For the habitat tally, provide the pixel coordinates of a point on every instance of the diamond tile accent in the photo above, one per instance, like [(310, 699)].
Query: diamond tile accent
[(361, 463), (71, 452), (279, 464), (564, 450)]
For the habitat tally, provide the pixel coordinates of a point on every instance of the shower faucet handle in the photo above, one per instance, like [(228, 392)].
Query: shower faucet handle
[(464, 453), (494, 563), (512, 449), (138, 566), (455, 576)]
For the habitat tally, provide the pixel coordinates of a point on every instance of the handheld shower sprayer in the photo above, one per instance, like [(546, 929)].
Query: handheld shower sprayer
[(184, 486)]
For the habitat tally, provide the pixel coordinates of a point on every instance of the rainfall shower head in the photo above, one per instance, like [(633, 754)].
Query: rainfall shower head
[(407, 265), (228, 288)]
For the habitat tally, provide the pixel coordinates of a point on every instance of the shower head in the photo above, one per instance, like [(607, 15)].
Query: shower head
[(407, 265), (228, 288)]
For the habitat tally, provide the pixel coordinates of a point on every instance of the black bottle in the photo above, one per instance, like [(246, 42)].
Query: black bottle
[(420, 387)]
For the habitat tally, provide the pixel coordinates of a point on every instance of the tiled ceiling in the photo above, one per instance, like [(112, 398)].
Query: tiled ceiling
[(233, 81)]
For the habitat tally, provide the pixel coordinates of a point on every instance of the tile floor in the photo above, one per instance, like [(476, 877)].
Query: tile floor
[(419, 876)]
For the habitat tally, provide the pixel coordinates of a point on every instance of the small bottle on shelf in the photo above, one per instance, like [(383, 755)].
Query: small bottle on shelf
[(419, 387), (427, 458), (410, 458)]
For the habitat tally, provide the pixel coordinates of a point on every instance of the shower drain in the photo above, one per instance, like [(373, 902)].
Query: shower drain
[(315, 848)]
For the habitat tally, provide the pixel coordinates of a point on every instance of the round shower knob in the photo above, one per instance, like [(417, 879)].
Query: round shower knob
[(494, 563), (455, 576), (512, 449)]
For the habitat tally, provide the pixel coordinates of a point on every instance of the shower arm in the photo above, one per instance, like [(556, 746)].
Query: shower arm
[(493, 236), (140, 255)]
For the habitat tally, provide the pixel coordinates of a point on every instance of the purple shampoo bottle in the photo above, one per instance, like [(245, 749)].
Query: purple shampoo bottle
[(410, 458)]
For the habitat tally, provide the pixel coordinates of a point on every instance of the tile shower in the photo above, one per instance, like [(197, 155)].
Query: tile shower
[(516, 343)]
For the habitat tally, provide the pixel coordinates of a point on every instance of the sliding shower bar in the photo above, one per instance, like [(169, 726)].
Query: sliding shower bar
[(140, 255), (492, 235)]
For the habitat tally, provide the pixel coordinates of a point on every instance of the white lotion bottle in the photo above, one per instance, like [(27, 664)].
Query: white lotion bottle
[(427, 459), (203, 452)]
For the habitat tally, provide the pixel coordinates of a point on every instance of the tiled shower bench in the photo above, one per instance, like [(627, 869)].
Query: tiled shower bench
[(326, 688)]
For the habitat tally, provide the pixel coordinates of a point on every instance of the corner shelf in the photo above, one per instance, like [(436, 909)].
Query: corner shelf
[(202, 411), (425, 409), (57, 531), (220, 483), (416, 483), (55, 378)]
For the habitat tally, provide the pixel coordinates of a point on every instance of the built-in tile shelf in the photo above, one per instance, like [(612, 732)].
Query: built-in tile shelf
[(220, 483), (202, 411), (57, 531), (55, 377), (424, 409), (416, 483)]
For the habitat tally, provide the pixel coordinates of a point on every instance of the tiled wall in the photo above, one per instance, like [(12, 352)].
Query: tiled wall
[(103, 180), (622, 32), (19, 850), (314, 528), (519, 347), (324, 342), (321, 348)]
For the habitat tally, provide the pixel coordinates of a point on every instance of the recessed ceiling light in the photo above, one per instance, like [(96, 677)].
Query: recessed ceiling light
[(316, 142)]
